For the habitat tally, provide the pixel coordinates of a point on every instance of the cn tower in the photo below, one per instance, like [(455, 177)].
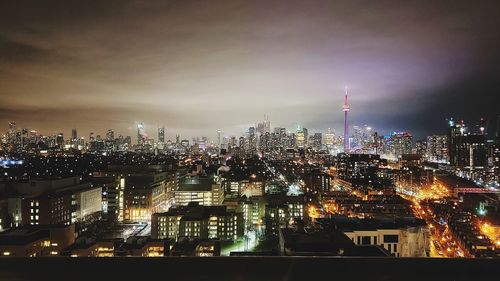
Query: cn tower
[(346, 109)]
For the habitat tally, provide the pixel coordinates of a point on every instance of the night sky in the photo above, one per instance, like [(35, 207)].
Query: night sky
[(199, 66)]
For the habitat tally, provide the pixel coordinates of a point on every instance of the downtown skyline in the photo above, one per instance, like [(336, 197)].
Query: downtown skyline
[(249, 140)]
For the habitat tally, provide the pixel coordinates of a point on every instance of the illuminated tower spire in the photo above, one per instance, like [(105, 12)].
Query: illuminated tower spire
[(346, 109)]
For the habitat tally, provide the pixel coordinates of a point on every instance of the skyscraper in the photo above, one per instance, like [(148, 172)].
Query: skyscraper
[(300, 137), (466, 150), (329, 138), (437, 148), (265, 126), (60, 140), (400, 143), (219, 138), (252, 141), (110, 135), (141, 134), (317, 139), (161, 134)]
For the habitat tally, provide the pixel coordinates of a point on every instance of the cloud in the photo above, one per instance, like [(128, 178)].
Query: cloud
[(198, 66)]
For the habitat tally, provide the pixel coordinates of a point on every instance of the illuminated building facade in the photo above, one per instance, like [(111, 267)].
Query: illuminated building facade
[(400, 237), (161, 134), (282, 213), (69, 205), (466, 150), (437, 148), (197, 221), (36, 241)]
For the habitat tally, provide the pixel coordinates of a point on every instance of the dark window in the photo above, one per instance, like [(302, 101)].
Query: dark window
[(359, 240), (374, 240), (389, 247), (366, 240), (395, 247), (391, 239)]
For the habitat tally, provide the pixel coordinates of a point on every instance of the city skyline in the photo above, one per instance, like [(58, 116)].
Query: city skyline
[(152, 132), (197, 67), (249, 140)]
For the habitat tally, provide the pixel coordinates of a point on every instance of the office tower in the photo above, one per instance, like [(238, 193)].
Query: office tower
[(60, 139), (252, 141), (301, 137), (265, 141), (110, 135), (219, 138), (466, 150), (232, 142), (161, 134), (33, 136), (264, 127), (74, 136), (241, 143), (11, 135), (141, 134), (317, 139), (24, 139), (329, 138)]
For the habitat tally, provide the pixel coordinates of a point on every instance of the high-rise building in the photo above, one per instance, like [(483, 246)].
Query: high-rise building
[(110, 135), (466, 150), (265, 126), (301, 137), (141, 134), (437, 148), (60, 140), (329, 138), (219, 138), (252, 141), (161, 134), (74, 135), (400, 143), (421, 147), (317, 140)]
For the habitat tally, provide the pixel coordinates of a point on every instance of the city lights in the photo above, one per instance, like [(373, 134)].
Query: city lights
[(218, 139)]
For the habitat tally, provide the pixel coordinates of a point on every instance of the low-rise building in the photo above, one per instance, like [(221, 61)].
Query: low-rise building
[(197, 221), (402, 237), (89, 247), (189, 247), (36, 240), (314, 242), (282, 212), (145, 246)]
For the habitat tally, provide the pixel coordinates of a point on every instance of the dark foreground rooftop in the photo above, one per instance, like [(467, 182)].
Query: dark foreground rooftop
[(248, 268)]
